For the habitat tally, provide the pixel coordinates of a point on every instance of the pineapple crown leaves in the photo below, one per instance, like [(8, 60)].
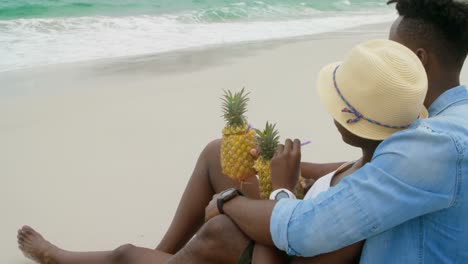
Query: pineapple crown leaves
[(268, 140), (234, 107)]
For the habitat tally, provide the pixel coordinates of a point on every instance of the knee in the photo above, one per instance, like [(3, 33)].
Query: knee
[(219, 239), (122, 254), (218, 230), (212, 149), (211, 155)]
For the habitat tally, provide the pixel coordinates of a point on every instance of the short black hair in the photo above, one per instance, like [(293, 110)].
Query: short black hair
[(444, 23)]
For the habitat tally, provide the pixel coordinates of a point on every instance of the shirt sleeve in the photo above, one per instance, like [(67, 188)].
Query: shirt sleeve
[(413, 173)]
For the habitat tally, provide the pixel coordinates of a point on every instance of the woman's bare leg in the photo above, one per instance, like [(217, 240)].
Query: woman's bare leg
[(218, 241), (268, 255), (34, 246), (206, 180), (207, 247)]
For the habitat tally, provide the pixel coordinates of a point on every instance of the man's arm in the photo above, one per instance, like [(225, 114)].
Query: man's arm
[(412, 173), (252, 217)]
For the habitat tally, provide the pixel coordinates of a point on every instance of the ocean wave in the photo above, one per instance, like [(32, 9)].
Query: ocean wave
[(207, 10), (33, 42)]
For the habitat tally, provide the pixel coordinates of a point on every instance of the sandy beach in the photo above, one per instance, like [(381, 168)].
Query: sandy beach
[(97, 154)]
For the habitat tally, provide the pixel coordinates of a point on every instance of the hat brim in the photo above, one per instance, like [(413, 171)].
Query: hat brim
[(334, 104)]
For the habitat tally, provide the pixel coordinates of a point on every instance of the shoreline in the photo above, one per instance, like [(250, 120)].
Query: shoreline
[(112, 37), (245, 46)]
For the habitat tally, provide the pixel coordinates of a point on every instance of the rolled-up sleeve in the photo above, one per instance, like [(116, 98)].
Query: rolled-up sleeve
[(312, 227), (403, 181), (280, 221)]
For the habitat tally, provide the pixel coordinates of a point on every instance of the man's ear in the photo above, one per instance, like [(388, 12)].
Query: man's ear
[(423, 56)]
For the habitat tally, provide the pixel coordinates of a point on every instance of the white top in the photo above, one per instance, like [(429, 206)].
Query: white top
[(321, 185), (324, 182)]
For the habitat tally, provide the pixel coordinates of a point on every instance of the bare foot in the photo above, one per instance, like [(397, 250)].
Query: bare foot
[(34, 246)]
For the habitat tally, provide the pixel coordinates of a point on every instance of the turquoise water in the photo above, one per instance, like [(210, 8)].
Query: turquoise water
[(209, 10), (39, 32)]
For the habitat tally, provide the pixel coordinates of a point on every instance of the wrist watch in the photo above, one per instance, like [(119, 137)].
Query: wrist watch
[(281, 194), (226, 196)]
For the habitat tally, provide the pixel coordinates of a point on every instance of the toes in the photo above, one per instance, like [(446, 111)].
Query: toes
[(22, 234), (28, 230), (20, 231), (26, 227), (21, 237), (26, 233), (32, 232)]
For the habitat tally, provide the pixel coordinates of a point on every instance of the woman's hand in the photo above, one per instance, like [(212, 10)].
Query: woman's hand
[(306, 184), (285, 165), (212, 209)]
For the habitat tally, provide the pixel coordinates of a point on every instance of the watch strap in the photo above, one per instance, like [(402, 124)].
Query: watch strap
[(220, 204)]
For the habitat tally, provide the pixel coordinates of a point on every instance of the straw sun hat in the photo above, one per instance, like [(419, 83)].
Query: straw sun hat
[(377, 90)]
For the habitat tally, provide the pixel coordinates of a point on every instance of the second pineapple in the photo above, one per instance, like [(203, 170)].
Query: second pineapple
[(268, 141)]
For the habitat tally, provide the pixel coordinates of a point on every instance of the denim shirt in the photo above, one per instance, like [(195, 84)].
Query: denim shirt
[(410, 202)]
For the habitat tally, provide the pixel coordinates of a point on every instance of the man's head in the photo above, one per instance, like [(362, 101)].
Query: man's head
[(437, 31)]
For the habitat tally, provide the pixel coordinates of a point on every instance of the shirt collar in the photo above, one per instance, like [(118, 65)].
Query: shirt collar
[(448, 98)]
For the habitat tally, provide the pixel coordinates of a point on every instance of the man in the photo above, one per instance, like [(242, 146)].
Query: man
[(418, 189)]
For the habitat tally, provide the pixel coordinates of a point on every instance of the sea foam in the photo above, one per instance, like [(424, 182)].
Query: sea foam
[(40, 41)]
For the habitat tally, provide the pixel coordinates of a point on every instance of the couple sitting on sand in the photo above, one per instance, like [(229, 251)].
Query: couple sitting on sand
[(404, 201)]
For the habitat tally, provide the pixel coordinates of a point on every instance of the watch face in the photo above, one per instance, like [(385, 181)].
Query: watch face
[(281, 195)]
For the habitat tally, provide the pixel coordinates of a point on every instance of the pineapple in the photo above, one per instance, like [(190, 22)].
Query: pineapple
[(238, 139), (268, 141)]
